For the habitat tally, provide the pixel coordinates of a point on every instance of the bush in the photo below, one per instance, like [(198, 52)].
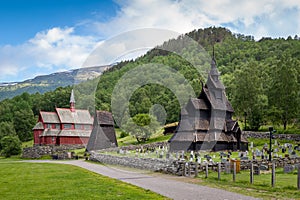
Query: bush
[(10, 145), (123, 134)]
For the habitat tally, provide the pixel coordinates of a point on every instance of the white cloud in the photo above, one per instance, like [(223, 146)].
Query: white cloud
[(185, 15), (56, 47)]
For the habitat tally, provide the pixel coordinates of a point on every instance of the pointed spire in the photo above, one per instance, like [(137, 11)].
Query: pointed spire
[(72, 102), (214, 70), (72, 98)]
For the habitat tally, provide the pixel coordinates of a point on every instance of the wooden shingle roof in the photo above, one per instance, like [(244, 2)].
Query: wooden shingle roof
[(77, 117), (104, 118), (38, 126), (49, 117)]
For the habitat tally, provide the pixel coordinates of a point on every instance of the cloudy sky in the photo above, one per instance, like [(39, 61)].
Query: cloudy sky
[(45, 36)]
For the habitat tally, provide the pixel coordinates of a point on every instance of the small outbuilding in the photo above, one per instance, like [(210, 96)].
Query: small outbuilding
[(103, 134)]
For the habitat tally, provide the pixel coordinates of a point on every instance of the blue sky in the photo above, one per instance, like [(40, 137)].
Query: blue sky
[(45, 36)]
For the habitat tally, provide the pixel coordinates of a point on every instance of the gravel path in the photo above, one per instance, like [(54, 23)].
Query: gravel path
[(165, 185)]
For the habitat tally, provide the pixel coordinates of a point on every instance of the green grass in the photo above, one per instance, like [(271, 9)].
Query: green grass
[(285, 186), (130, 140), (291, 129), (57, 181), (27, 144)]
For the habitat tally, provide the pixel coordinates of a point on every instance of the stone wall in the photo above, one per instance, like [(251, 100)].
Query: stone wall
[(151, 164), (179, 167), (294, 137), (39, 151)]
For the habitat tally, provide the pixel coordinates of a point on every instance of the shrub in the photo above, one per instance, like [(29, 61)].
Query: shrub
[(10, 145)]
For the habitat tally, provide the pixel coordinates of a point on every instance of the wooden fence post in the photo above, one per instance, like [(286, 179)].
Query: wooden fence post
[(298, 182), (234, 171), (219, 171), (273, 174), (251, 173), (183, 170), (196, 169), (189, 165), (206, 170)]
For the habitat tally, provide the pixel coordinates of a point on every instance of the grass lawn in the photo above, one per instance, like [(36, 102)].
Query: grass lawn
[(57, 181), (285, 184), (131, 140)]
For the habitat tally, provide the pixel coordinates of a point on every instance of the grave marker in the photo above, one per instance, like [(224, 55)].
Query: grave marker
[(227, 168), (288, 168)]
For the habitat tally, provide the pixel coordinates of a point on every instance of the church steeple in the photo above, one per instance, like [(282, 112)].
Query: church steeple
[(72, 102), (213, 66)]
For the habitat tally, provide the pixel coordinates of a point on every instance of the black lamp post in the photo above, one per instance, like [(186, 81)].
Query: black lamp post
[(271, 136)]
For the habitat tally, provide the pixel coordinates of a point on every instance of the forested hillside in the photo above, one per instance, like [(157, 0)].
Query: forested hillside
[(50, 82), (261, 79)]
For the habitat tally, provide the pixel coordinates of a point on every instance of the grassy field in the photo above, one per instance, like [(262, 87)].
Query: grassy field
[(129, 140), (285, 185), (56, 181)]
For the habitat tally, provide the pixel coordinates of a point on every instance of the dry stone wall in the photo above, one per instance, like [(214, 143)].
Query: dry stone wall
[(61, 152), (180, 167), (264, 135), (151, 164)]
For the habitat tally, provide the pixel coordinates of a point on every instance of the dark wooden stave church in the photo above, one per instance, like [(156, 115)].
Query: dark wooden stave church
[(206, 122)]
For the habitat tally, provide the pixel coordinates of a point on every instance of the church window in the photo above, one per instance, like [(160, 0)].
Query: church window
[(78, 126), (67, 126), (87, 127), (49, 126), (57, 126)]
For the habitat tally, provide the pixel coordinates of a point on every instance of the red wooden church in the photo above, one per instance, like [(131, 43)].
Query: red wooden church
[(65, 126)]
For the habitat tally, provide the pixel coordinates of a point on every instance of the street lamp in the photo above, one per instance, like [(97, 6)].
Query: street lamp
[(271, 136)]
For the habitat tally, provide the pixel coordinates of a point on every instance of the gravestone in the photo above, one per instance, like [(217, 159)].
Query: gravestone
[(263, 168), (258, 153), (288, 168), (168, 155), (227, 168), (222, 154), (244, 158), (256, 170), (161, 155), (199, 159)]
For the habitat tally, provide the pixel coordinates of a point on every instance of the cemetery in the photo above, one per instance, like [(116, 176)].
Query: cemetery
[(251, 167)]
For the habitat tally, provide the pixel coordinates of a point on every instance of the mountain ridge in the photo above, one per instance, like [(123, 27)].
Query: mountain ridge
[(45, 83)]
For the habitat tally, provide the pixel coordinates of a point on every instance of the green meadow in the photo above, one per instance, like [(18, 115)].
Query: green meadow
[(57, 181)]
